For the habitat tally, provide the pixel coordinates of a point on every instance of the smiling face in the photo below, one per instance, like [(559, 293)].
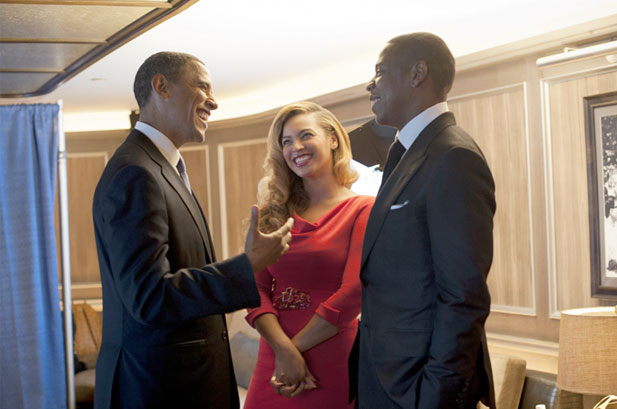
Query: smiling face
[(391, 94), (307, 146), (190, 104)]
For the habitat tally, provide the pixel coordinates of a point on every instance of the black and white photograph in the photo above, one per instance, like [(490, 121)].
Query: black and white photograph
[(601, 129)]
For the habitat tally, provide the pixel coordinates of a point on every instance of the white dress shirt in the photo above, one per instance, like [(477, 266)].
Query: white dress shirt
[(163, 143), (412, 129)]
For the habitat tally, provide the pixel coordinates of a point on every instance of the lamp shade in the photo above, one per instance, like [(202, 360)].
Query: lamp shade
[(588, 351)]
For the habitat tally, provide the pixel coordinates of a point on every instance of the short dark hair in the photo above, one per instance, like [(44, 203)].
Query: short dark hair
[(168, 63), (411, 48)]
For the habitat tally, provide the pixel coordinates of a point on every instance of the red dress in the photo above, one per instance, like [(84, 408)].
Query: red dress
[(318, 274)]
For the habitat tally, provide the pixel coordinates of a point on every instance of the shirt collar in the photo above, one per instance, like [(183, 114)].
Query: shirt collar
[(163, 143), (412, 129)]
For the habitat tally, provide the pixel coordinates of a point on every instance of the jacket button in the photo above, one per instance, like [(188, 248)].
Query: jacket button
[(224, 335), (365, 283)]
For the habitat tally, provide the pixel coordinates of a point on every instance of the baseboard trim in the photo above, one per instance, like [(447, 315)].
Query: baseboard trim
[(539, 355)]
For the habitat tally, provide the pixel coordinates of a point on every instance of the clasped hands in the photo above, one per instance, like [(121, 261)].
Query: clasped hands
[(291, 375), (263, 249)]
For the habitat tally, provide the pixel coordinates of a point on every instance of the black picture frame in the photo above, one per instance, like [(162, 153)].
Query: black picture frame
[(601, 142)]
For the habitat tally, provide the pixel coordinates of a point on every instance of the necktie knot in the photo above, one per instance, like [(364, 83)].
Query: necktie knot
[(182, 171)]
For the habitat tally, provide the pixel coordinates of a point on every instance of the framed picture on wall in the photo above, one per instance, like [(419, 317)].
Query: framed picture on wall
[(601, 138)]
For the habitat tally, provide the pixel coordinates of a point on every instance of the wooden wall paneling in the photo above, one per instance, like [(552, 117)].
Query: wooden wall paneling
[(220, 135), (83, 173), (351, 106), (513, 321), (568, 211), (87, 154), (497, 120), (197, 168), (240, 169)]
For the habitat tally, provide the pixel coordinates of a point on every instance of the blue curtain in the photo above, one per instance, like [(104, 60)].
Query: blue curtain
[(31, 335)]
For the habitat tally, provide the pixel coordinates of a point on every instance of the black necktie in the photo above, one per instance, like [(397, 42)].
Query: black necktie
[(394, 156), (182, 171)]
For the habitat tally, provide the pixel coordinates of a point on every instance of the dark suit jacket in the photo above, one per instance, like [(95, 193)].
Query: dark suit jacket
[(427, 252), (164, 335)]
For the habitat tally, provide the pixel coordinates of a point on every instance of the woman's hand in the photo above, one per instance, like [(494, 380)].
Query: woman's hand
[(289, 365), (290, 391), (291, 375)]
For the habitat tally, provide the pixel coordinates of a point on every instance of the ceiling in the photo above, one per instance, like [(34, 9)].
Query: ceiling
[(261, 54), (43, 43)]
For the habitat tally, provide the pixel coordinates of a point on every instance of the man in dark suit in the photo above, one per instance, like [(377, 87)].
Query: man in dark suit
[(428, 243), (164, 294)]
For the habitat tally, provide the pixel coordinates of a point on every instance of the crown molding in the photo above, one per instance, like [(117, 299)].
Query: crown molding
[(541, 45)]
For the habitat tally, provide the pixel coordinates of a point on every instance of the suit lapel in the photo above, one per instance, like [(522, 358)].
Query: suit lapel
[(400, 177), (175, 182), (207, 230)]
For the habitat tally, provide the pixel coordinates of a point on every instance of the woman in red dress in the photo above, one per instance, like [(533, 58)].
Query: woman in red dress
[(311, 297)]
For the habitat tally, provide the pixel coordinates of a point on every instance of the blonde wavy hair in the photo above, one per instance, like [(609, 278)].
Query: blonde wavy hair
[(281, 192)]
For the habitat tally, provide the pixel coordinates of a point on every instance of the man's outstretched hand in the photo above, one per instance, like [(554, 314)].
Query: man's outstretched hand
[(265, 249)]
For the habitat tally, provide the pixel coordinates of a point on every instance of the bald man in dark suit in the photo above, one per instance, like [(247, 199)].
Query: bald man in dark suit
[(428, 245)]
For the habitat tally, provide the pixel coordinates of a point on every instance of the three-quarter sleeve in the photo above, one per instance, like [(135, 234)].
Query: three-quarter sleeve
[(344, 305), (263, 279)]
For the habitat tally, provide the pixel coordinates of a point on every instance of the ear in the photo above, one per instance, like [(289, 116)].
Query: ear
[(160, 85), (333, 141), (419, 73)]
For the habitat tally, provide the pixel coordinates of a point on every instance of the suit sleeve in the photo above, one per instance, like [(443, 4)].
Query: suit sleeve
[(131, 223), (264, 286), (460, 210), (344, 305)]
